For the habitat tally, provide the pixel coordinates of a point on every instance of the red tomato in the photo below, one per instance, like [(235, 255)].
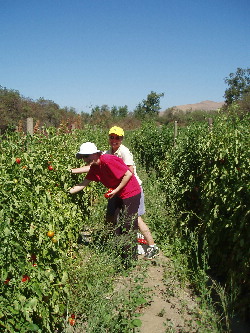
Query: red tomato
[(33, 257), (142, 241), (7, 281), (50, 167), (73, 316), (18, 160), (25, 278), (72, 321), (107, 193)]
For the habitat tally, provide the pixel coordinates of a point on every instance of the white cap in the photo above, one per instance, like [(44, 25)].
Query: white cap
[(87, 148)]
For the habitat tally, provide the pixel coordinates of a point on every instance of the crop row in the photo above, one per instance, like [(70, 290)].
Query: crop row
[(206, 181), (39, 227)]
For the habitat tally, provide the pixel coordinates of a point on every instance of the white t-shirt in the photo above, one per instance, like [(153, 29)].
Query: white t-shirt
[(127, 157)]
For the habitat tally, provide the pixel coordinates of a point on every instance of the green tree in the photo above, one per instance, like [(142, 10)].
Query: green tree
[(120, 111), (10, 106), (100, 115), (238, 85), (149, 107), (123, 111), (114, 111)]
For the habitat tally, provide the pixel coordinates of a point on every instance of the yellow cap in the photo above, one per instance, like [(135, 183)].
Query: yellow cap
[(116, 130)]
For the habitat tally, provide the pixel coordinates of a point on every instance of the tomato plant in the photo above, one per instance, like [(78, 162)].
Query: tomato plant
[(34, 277), (207, 188)]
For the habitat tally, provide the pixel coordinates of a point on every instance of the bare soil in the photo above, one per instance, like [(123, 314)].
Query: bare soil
[(173, 307)]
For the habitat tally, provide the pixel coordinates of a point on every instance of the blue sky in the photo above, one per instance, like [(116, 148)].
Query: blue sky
[(84, 53)]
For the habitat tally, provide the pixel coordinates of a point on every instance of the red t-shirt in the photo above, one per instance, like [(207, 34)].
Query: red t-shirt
[(110, 172)]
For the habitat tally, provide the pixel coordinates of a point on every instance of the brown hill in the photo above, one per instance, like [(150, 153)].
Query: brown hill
[(205, 106)]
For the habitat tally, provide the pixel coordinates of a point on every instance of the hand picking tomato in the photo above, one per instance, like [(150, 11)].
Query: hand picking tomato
[(107, 193), (50, 233)]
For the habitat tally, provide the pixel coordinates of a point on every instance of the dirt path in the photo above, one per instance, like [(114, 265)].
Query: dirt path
[(172, 308)]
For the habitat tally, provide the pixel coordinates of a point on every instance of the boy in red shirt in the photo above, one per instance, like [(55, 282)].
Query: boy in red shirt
[(113, 173)]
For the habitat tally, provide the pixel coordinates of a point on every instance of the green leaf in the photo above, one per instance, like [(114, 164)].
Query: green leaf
[(33, 327), (6, 231), (140, 300), (136, 323)]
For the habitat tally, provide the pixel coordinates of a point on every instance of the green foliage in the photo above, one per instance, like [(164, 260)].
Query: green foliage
[(239, 85), (99, 300), (206, 183), (119, 112), (149, 107), (150, 143), (34, 180), (186, 118), (15, 109), (244, 104), (40, 272)]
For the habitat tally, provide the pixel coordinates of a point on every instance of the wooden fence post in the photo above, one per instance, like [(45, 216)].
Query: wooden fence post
[(30, 128), (210, 124), (175, 132)]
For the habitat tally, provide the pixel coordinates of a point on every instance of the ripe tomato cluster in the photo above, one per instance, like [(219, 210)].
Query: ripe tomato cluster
[(106, 195), (51, 234), (142, 241), (72, 320), (25, 278)]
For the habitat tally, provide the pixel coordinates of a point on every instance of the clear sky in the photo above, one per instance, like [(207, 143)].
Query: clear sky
[(84, 53)]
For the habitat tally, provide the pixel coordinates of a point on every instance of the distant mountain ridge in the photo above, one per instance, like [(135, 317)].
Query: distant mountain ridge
[(205, 106)]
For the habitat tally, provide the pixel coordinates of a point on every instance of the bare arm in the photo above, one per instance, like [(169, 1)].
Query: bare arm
[(131, 168), (79, 186), (83, 169)]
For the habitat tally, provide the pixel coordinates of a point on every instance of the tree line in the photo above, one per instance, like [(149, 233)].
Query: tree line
[(15, 108)]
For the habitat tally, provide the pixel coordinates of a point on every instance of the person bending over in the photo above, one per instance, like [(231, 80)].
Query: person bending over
[(113, 173)]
